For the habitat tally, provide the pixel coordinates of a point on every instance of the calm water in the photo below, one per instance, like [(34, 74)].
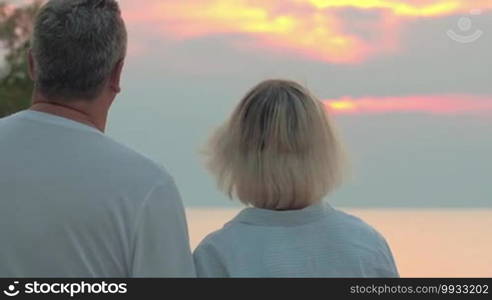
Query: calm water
[(425, 243)]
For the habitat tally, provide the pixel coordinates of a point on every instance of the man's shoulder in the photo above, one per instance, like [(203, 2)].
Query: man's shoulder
[(134, 162)]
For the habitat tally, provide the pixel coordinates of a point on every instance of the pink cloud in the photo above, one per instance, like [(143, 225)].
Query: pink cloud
[(442, 105)]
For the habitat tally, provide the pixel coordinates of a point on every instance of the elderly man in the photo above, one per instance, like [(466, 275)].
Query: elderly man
[(75, 203)]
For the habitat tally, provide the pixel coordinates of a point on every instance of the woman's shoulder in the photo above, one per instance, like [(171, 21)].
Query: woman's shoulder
[(357, 226), (218, 238), (375, 246)]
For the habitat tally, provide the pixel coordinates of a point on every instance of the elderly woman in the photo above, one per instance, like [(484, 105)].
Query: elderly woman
[(279, 154)]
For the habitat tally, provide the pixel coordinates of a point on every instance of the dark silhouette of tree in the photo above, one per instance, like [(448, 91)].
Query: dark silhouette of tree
[(15, 31)]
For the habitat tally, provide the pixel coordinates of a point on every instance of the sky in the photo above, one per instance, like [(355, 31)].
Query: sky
[(407, 81)]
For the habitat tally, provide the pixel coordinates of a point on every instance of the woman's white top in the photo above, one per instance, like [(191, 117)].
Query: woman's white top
[(318, 241)]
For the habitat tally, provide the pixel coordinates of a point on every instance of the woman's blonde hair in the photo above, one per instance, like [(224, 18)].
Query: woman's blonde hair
[(278, 150)]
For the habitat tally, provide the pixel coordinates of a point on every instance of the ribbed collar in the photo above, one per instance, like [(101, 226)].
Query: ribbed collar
[(264, 217)]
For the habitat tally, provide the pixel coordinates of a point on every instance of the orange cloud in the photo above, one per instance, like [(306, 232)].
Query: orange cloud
[(310, 28), (455, 104)]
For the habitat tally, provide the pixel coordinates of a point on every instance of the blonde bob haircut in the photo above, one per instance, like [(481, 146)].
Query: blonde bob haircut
[(278, 150)]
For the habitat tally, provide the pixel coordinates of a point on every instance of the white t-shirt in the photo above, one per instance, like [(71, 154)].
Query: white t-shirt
[(75, 203), (318, 241)]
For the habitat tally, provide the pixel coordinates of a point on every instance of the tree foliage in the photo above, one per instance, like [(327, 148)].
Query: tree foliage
[(16, 87)]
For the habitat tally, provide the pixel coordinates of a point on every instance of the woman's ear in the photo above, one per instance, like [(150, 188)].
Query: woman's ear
[(116, 76)]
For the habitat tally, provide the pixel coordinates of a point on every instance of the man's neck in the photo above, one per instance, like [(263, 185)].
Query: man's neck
[(73, 111)]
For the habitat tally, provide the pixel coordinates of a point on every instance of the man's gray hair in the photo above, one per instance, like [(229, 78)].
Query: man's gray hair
[(76, 45)]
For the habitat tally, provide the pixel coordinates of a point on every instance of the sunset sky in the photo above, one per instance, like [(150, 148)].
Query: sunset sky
[(408, 82)]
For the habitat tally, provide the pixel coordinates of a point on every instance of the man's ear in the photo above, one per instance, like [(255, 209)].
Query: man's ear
[(116, 76), (31, 66)]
